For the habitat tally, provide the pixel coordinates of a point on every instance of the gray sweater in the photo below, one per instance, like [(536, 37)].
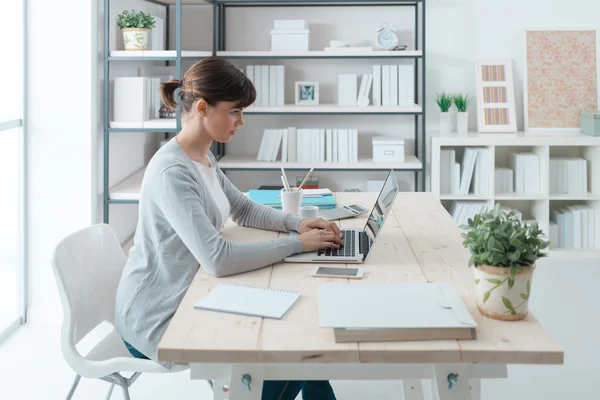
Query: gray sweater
[(176, 234)]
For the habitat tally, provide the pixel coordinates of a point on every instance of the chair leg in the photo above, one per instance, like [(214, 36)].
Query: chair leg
[(110, 390), (73, 387), (125, 393)]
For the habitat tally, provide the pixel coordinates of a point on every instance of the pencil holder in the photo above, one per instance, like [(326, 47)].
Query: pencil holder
[(291, 201)]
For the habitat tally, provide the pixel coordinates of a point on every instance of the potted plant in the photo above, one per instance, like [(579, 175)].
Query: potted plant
[(504, 251), (135, 26), (462, 117), (444, 101)]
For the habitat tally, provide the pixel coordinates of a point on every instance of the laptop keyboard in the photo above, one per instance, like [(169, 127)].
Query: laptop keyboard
[(347, 250)]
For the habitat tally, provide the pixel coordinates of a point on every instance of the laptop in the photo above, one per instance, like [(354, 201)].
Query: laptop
[(357, 241)]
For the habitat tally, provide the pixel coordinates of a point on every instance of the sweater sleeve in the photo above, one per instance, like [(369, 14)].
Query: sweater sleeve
[(246, 212), (180, 200)]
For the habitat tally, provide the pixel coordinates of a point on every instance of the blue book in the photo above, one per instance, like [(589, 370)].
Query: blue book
[(272, 198)]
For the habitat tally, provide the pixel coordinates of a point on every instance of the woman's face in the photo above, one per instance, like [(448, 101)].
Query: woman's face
[(221, 121)]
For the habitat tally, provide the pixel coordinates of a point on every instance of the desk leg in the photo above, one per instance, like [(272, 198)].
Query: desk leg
[(246, 382), (452, 382)]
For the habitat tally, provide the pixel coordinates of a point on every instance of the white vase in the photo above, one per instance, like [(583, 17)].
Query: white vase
[(445, 123), (462, 122), (135, 38), (497, 298)]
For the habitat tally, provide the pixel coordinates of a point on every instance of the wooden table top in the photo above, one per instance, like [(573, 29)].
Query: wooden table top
[(420, 242)]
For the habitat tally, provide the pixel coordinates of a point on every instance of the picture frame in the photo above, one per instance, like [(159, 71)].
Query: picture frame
[(306, 93), (494, 82), (576, 65)]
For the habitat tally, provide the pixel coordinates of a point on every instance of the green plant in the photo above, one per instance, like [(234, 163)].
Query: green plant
[(461, 102), (499, 238), (444, 101), (135, 19)]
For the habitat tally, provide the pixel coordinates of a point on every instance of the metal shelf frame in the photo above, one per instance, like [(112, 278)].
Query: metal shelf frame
[(219, 9)]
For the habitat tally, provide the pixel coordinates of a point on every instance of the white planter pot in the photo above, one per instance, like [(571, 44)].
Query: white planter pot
[(135, 38), (462, 122), (497, 298), (445, 123)]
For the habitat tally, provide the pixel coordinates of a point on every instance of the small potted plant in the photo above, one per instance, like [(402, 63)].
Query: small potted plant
[(462, 117), (504, 251), (135, 26), (444, 101)]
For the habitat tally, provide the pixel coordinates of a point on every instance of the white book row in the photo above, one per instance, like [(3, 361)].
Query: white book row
[(309, 145), (472, 177), (157, 34), (573, 227), (503, 180), (568, 175), (393, 85), (462, 210), (526, 167), (269, 81), (136, 98)]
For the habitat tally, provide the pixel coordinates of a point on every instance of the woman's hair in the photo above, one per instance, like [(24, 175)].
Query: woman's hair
[(212, 79)]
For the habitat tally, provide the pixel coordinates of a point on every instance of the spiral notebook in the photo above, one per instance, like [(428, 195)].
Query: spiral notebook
[(249, 300)]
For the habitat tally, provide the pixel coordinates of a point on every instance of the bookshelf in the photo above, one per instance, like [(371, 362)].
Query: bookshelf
[(537, 205), (127, 190)]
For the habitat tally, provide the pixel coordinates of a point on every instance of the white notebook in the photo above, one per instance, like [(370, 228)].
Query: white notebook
[(249, 300)]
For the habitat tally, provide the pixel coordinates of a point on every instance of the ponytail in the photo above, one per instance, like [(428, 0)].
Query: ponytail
[(167, 93)]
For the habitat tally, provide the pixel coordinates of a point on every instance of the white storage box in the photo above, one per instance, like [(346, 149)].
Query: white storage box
[(290, 40), (388, 149)]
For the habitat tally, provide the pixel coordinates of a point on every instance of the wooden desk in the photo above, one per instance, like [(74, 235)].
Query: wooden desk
[(419, 243)]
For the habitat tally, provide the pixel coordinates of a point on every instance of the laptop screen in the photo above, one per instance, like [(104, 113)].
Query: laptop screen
[(382, 206)]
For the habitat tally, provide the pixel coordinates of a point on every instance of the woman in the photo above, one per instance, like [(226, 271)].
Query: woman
[(184, 201)]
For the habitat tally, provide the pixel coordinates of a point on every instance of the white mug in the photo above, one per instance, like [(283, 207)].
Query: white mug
[(291, 201), (309, 212)]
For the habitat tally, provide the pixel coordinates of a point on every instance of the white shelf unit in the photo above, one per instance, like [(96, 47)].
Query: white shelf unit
[(533, 206)]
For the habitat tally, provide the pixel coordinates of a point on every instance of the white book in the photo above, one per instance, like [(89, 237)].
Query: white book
[(261, 148), (376, 85), (258, 85), (329, 145), (273, 82), (280, 85), (336, 145), (385, 85), (469, 159), (577, 229), (292, 144), (264, 80), (406, 85), (371, 312), (284, 145), (456, 178), (249, 300), (363, 89), (393, 85), (129, 99)]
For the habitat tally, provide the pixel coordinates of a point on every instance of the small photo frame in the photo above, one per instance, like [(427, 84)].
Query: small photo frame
[(496, 111), (307, 93)]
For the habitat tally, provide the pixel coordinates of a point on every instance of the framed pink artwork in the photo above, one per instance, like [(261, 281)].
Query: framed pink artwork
[(495, 95), (560, 77)]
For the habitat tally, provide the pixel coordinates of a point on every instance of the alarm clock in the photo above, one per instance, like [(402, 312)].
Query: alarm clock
[(387, 37)]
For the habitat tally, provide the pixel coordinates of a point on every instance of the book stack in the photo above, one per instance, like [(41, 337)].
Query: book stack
[(309, 145), (471, 178), (503, 180), (573, 227), (568, 175), (526, 167), (269, 81), (393, 85), (272, 198)]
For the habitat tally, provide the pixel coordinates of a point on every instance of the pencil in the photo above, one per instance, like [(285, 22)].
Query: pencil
[(305, 178), (286, 183)]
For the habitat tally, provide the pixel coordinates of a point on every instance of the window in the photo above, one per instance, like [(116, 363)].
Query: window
[(12, 167)]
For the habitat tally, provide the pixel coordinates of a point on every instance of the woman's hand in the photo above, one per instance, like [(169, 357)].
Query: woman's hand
[(318, 223), (316, 239)]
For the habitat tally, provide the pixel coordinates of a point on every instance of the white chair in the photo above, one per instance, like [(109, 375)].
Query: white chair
[(87, 266)]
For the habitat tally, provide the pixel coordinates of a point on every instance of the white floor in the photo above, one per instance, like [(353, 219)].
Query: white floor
[(564, 299)]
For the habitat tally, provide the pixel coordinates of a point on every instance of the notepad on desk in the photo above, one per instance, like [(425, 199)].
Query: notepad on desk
[(249, 300), (394, 312), (272, 198)]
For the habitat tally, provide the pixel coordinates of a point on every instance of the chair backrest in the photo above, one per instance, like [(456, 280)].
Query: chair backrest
[(87, 266)]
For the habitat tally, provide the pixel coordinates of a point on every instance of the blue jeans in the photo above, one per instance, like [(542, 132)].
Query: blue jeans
[(280, 390)]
